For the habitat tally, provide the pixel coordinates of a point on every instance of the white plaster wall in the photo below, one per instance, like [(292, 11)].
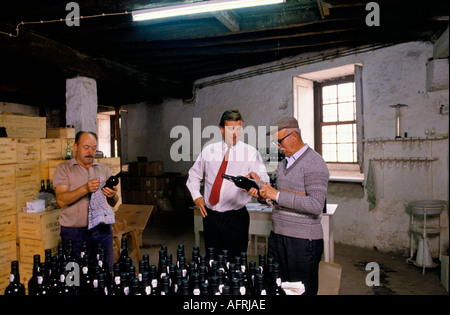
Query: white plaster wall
[(391, 75)]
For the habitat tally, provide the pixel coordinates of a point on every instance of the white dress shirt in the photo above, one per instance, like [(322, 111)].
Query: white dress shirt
[(242, 160)]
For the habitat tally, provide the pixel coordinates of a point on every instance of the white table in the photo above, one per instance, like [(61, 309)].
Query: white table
[(261, 222)]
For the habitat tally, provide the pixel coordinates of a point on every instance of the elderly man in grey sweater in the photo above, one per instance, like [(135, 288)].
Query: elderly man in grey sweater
[(296, 239)]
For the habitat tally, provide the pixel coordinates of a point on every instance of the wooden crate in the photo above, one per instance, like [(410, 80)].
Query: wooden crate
[(8, 227), (51, 149), (52, 164), (29, 247), (26, 272), (24, 194), (40, 226), (8, 252), (4, 279), (7, 176), (61, 133), (112, 163), (8, 150), (28, 150), (43, 170), (27, 174), (8, 203), (20, 126)]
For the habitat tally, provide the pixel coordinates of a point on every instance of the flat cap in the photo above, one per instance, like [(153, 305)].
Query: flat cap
[(286, 122)]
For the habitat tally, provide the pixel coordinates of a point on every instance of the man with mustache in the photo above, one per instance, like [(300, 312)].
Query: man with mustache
[(75, 181), (225, 218)]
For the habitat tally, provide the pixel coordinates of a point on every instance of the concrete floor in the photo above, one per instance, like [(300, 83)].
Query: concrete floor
[(396, 277)]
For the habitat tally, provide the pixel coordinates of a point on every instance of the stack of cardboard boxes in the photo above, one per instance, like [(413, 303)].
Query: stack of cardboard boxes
[(144, 183), (29, 154)]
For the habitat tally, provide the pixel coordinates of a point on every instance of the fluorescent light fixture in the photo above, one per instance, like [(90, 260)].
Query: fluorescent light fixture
[(197, 7)]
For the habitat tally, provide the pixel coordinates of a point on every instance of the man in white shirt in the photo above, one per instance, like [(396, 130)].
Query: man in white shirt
[(225, 218)]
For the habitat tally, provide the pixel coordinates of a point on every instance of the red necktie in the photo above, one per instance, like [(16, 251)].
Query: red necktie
[(215, 191)]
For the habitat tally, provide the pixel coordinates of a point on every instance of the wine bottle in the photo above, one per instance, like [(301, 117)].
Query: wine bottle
[(86, 285), (135, 287), (49, 188), (68, 151), (15, 287), (146, 288), (242, 182), (99, 285), (259, 285), (274, 287), (41, 288), (42, 186), (32, 283), (123, 254), (113, 180)]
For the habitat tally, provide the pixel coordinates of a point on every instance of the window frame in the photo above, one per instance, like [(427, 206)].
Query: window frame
[(318, 115)]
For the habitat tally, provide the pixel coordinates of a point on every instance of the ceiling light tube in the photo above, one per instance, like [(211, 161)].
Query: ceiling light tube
[(197, 7)]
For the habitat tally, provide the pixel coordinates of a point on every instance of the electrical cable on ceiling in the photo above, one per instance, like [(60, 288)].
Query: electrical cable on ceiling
[(63, 20)]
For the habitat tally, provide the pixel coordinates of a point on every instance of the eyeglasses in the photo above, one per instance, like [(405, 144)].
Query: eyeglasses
[(278, 143)]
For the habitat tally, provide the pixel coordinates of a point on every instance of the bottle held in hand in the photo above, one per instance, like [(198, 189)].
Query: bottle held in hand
[(113, 180), (242, 182)]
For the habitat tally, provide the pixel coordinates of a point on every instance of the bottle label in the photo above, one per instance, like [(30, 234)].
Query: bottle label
[(11, 278), (279, 282), (196, 292), (148, 290)]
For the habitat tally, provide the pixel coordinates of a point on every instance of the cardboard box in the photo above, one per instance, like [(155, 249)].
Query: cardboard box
[(8, 227), (35, 206), (7, 176), (51, 149), (19, 126), (155, 168), (40, 226), (146, 183), (61, 133), (28, 150), (8, 150), (8, 252), (8, 202)]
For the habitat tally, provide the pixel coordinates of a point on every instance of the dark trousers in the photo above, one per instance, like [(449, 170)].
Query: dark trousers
[(227, 230), (102, 234), (298, 258)]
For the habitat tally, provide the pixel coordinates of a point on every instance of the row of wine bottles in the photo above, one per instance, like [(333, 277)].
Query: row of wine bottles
[(204, 274)]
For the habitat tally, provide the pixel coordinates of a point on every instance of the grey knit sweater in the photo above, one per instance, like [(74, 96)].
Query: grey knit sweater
[(303, 188)]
